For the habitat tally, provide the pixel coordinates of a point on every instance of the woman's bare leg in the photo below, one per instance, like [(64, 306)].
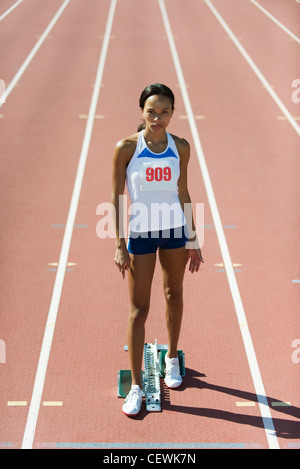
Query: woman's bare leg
[(173, 262), (139, 279)]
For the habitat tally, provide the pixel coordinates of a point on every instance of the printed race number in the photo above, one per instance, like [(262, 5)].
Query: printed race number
[(158, 174)]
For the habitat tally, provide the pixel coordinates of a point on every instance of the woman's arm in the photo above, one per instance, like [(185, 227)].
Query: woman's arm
[(121, 157), (193, 248), (183, 193)]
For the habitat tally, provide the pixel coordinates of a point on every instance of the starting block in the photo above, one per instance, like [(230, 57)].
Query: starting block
[(154, 369)]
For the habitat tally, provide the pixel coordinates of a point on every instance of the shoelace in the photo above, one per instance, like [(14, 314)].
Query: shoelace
[(133, 396), (173, 369)]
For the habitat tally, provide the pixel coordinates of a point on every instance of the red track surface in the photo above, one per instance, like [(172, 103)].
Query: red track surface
[(253, 161)]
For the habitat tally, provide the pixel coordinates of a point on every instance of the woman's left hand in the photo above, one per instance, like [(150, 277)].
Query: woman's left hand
[(195, 257)]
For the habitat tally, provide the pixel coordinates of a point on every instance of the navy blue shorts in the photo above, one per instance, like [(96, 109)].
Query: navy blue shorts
[(149, 242)]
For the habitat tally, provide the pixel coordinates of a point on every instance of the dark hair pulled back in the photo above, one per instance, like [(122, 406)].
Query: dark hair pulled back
[(151, 90)]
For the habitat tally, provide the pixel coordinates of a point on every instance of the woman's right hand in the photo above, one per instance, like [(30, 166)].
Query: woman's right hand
[(122, 259)]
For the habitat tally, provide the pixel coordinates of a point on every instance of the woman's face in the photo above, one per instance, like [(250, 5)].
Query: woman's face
[(157, 112)]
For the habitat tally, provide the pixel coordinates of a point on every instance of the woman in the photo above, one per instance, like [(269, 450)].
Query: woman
[(154, 165)]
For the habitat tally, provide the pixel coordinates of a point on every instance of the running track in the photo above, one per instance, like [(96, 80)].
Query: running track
[(76, 70)]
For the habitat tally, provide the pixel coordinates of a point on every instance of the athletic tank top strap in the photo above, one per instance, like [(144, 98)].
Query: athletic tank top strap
[(140, 146), (172, 145), (142, 150)]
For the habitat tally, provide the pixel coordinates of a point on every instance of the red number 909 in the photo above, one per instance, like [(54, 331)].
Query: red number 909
[(158, 174)]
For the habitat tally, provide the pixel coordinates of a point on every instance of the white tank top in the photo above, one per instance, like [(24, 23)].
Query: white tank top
[(152, 185)]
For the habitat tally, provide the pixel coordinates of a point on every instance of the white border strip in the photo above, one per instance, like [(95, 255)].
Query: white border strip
[(34, 51), (255, 69), (256, 376), (53, 311), (286, 30), (10, 9)]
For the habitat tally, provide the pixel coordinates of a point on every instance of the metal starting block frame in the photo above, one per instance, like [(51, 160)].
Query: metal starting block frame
[(154, 369)]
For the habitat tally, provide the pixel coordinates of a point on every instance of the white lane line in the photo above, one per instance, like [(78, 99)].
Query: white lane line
[(34, 51), (56, 295), (10, 9), (52, 403), (248, 344), (17, 403), (254, 67), (284, 28)]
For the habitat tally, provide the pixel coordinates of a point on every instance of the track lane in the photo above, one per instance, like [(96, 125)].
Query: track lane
[(8, 7), (242, 161), (282, 199), (63, 260), (33, 19), (228, 265), (41, 173), (90, 330), (288, 16), (271, 49), (293, 36), (210, 367)]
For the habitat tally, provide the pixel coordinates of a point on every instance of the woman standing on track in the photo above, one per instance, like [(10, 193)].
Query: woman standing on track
[(154, 165)]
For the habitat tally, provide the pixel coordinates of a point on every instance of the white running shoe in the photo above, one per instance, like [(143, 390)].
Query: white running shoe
[(133, 401), (173, 377)]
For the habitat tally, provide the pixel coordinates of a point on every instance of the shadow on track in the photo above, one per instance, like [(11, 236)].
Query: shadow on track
[(284, 427)]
